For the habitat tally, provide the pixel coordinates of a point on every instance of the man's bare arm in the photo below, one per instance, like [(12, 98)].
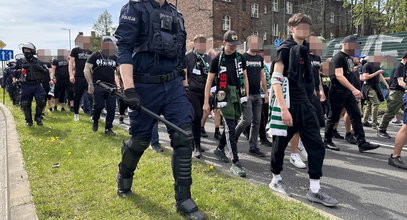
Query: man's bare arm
[(401, 82), (71, 67), (126, 71), (88, 74)]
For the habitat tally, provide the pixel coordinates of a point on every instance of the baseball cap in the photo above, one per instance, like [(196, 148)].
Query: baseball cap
[(350, 39), (231, 37), (405, 55)]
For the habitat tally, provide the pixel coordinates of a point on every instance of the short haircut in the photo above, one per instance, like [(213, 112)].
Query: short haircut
[(199, 39), (299, 18)]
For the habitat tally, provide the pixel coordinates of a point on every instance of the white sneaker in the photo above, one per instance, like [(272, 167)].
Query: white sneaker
[(295, 160), (76, 117), (279, 187), (302, 151)]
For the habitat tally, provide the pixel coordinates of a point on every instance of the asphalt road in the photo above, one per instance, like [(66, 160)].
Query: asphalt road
[(364, 184)]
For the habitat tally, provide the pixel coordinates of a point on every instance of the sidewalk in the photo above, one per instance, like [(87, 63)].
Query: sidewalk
[(15, 196)]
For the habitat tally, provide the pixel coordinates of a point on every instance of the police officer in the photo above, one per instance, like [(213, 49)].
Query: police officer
[(10, 86), (30, 72), (151, 74)]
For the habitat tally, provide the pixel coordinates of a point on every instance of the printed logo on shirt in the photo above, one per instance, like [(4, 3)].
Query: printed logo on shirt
[(63, 63), (315, 63), (253, 64), (350, 64), (83, 56), (106, 62)]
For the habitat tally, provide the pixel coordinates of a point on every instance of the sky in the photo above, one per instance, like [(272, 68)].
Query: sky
[(40, 21)]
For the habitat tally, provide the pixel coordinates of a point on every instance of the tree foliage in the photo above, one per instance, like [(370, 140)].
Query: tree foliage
[(103, 26)]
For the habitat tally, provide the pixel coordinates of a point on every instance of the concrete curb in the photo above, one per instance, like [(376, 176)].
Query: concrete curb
[(20, 205)]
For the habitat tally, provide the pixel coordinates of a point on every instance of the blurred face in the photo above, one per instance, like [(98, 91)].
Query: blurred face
[(316, 45), (302, 31), (377, 58), (200, 46), (83, 42), (109, 48), (229, 48), (254, 44), (350, 48), (327, 68)]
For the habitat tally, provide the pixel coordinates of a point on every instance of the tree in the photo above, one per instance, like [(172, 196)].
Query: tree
[(103, 25)]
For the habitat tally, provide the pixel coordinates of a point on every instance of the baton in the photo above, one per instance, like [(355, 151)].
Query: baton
[(113, 91)]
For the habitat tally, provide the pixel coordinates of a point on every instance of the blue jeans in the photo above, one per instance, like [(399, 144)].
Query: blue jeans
[(101, 98), (385, 93)]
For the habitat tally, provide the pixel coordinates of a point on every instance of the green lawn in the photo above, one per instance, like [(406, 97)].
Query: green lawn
[(84, 186)]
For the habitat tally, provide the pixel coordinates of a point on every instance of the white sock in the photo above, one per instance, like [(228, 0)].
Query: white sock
[(314, 185), (276, 178)]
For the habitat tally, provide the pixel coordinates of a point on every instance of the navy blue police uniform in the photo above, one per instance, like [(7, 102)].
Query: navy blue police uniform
[(31, 72), (152, 38), (11, 87)]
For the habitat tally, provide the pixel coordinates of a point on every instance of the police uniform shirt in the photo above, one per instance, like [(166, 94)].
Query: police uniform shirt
[(344, 61), (399, 71), (254, 65), (61, 72), (371, 68), (229, 67), (104, 67), (80, 55), (133, 31), (197, 71)]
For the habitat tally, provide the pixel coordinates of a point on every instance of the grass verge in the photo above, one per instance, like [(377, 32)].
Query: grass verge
[(84, 187)]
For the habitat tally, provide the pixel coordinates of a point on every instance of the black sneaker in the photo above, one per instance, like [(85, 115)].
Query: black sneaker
[(197, 153), (217, 135), (95, 126), (62, 109), (375, 126), (266, 143), (367, 146), (109, 131), (367, 124), (256, 152), (29, 124), (323, 198), (39, 122), (203, 133), (55, 108), (331, 145), (121, 120), (383, 134), (189, 209), (157, 147), (350, 138), (220, 154), (50, 109), (397, 162), (337, 135)]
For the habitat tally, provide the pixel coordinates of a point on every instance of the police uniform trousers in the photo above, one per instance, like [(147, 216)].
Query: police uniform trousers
[(28, 91)]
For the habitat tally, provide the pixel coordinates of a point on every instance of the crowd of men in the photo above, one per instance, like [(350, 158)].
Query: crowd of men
[(289, 98)]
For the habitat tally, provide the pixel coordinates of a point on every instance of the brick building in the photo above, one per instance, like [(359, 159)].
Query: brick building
[(266, 18)]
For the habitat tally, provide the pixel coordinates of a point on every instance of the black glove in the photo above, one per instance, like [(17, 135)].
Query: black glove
[(133, 99)]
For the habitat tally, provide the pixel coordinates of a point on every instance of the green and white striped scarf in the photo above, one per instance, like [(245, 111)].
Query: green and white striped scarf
[(275, 125)]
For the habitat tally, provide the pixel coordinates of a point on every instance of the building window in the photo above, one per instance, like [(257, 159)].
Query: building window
[(265, 36), (275, 5), (255, 10), (265, 9), (275, 31), (332, 18), (226, 23), (289, 8)]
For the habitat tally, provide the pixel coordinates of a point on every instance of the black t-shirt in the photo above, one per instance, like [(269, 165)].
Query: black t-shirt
[(47, 78), (228, 66), (80, 55), (254, 65), (315, 65), (104, 67), (298, 88), (197, 69), (61, 72), (344, 61), (371, 68), (399, 71)]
